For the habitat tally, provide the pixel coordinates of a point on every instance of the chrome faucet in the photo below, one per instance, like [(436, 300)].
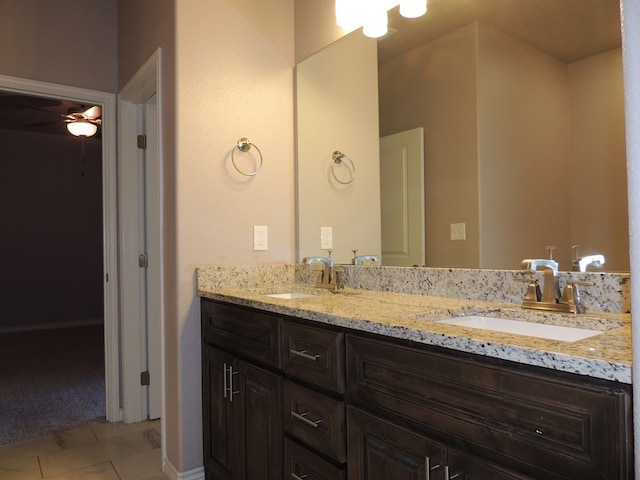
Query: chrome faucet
[(550, 289), (550, 299), (580, 264), (357, 260), (328, 278)]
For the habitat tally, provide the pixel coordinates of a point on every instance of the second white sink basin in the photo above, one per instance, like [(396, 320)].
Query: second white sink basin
[(530, 329)]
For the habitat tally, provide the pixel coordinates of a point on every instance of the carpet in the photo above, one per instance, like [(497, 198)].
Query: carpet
[(50, 380)]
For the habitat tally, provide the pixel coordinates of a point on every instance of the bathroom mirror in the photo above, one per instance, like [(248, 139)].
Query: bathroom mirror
[(522, 108)]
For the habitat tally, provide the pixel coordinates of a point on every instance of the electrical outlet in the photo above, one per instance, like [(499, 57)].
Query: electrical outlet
[(260, 237), (458, 231), (326, 238)]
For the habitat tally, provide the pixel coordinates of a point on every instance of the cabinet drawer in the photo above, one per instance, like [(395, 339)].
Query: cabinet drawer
[(543, 424), (315, 419), (243, 331), (300, 464), (315, 355)]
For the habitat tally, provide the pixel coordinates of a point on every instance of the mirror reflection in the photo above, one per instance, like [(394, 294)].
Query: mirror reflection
[(520, 110)]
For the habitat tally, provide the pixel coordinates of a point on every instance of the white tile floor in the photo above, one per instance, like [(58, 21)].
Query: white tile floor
[(107, 451)]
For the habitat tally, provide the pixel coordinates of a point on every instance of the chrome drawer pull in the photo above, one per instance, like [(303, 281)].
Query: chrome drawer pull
[(225, 380), (446, 474), (301, 417), (304, 354), (428, 468), (298, 477), (231, 391)]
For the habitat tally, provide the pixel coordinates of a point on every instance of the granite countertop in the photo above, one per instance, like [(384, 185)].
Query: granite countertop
[(412, 317)]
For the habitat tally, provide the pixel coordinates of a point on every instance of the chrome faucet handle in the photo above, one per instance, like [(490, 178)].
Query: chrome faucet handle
[(571, 295), (533, 289)]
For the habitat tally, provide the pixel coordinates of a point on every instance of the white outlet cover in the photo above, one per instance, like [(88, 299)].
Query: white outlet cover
[(326, 238), (260, 237), (458, 231)]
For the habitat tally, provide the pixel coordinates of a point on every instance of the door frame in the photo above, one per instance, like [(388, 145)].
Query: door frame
[(109, 217), (142, 86)]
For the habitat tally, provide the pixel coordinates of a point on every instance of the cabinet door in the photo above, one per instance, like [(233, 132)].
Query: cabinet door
[(468, 467), (216, 413), (380, 450), (256, 400)]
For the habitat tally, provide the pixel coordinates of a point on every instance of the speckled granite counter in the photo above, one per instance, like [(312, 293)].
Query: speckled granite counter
[(412, 316)]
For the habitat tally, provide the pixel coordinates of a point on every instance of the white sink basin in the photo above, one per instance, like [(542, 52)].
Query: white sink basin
[(289, 295), (530, 329)]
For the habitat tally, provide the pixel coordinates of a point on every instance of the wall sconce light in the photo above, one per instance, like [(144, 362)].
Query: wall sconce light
[(82, 128), (372, 14)]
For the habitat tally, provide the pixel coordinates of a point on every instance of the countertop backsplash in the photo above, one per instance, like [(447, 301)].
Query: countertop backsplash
[(611, 292)]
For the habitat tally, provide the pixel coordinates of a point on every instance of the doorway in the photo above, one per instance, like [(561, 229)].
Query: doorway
[(108, 220)]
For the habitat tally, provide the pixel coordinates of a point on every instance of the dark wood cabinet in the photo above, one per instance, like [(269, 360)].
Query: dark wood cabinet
[(538, 422), (242, 408), (288, 398)]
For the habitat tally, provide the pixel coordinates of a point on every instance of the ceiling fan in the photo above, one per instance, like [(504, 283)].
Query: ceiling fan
[(81, 123)]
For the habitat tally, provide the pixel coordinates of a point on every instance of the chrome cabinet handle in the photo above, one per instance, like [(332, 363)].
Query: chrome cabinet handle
[(301, 417), (298, 477), (232, 392), (225, 388), (446, 473), (428, 468), (304, 354)]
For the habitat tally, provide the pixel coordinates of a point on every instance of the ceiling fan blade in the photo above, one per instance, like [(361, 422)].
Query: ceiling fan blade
[(93, 112)]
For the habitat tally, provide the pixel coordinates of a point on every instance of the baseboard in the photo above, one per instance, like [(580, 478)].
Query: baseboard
[(51, 326), (172, 474)]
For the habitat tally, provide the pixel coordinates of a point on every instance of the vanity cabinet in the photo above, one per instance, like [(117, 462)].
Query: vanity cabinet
[(242, 394), (477, 415), (294, 399)]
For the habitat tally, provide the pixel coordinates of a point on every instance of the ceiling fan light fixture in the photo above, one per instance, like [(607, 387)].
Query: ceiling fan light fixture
[(82, 128), (413, 8)]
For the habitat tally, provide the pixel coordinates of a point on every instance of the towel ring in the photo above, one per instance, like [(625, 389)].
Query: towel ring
[(244, 144), (338, 158)]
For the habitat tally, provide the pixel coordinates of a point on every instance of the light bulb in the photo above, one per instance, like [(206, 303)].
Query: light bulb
[(413, 8), (375, 21), (82, 128), (349, 14)]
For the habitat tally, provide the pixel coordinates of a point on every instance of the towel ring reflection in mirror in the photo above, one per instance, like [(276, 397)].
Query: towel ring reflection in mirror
[(340, 160), (244, 145)]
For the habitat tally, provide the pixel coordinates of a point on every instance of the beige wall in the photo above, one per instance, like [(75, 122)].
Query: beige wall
[(523, 158), (336, 90), (234, 79), (315, 27), (74, 44), (597, 177)]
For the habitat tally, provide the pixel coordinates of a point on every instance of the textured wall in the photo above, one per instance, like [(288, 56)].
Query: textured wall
[(70, 42), (234, 78)]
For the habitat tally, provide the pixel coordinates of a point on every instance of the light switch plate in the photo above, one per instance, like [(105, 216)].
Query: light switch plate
[(326, 238), (458, 231)]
